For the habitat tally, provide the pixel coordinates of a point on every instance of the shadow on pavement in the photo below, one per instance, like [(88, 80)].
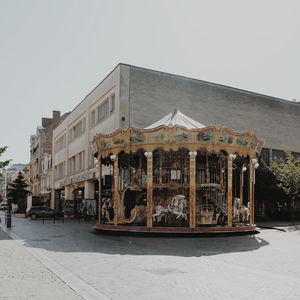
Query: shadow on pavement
[(74, 237)]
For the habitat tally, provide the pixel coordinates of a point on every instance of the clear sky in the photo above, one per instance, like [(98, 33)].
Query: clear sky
[(52, 53)]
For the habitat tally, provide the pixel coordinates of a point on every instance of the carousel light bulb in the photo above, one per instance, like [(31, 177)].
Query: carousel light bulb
[(256, 165), (193, 153), (232, 156), (254, 161), (148, 154), (244, 169)]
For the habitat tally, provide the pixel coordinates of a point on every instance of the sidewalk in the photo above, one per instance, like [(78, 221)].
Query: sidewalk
[(23, 277), (281, 225), (143, 268)]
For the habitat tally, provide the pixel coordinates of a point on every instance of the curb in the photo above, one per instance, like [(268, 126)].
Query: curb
[(270, 227), (82, 288)]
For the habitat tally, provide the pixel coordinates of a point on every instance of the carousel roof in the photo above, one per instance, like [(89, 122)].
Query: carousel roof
[(176, 130), (174, 118)]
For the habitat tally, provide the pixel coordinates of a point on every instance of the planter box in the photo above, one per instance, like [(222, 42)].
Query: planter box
[(20, 215)]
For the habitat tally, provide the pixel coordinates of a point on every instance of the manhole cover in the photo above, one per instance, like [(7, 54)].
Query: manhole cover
[(41, 240)]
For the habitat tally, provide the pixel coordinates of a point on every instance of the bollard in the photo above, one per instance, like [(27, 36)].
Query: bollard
[(43, 221), (8, 220), (8, 213), (53, 219)]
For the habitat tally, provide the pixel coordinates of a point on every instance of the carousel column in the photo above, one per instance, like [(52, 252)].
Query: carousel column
[(100, 189), (192, 211), (115, 160), (241, 170), (149, 188), (231, 157), (252, 166)]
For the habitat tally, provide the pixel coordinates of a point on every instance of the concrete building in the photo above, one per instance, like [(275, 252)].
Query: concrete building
[(41, 159), (136, 97)]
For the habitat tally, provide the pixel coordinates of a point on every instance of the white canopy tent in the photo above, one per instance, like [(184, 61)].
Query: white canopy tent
[(176, 118)]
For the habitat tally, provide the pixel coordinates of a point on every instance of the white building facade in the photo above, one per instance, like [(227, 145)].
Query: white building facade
[(75, 173)]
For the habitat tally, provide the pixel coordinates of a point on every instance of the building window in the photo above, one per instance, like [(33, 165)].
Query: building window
[(112, 102), (296, 155), (103, 110), (76, 163), (265, 155), (92, 118), (77, 130), (278, 154), (60, 171), (60, 143)]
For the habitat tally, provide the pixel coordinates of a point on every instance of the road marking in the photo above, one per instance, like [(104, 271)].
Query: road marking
[(81, 287)]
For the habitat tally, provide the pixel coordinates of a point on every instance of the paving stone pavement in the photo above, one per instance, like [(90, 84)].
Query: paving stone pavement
[(23, 277), (263, 266)]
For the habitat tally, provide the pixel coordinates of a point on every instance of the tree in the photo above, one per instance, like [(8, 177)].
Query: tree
[(287, 175), (17, 190), (267, 193), (3, 164)]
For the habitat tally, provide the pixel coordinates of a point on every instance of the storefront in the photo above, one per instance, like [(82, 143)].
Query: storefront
[(78, 196)]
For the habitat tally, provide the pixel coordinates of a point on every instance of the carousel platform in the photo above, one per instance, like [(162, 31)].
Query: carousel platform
[(185, 231)]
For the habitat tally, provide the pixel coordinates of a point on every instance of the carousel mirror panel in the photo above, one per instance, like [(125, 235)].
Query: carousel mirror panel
[(170, 187), (211, 182)]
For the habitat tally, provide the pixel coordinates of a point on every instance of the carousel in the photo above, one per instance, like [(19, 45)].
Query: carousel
[(177, 176)]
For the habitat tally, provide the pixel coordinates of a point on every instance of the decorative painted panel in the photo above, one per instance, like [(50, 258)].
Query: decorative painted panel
[(206, 136), (242, 140), (226, 138)]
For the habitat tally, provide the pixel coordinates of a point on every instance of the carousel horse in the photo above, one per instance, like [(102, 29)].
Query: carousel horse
[(160, 212), (236, 207), (107, 207), (177, 207), (245, 213)]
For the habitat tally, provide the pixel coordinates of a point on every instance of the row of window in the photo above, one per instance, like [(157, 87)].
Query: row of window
[(60, 143), (103, 110), (276, 155), (77, 130), (60, 171), (76, 163), (96, 116), (45, 183)]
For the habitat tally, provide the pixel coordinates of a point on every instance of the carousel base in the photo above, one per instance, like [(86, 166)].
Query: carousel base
[(127, 229)]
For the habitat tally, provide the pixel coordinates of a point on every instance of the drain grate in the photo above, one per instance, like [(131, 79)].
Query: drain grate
[(55, 236), (41, 240)]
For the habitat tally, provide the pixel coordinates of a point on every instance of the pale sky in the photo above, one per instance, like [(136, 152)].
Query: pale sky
[(53, 53)]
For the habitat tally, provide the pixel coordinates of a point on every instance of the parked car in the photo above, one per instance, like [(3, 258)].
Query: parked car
[(36, 212), (3, 206)]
